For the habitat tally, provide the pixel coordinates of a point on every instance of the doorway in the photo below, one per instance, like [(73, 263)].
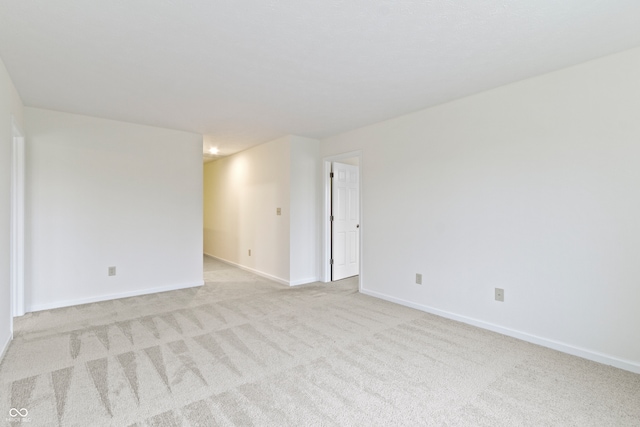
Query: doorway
[(342, 237)]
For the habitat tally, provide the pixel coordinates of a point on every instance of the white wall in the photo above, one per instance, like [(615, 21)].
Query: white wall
[(241, 195), (104, 193), (10, 106), (305, 209), (531, 187)]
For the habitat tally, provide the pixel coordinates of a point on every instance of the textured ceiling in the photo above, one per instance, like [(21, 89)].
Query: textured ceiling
[(242, 72)]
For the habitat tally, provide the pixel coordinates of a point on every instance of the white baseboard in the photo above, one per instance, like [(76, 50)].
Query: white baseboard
[(545, 342), (304, 281), (263, 274), (79, 301), (5, 347), (252, 270)]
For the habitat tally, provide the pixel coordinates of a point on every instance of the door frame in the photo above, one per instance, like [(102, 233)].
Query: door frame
[(325, 269), (17, 251)]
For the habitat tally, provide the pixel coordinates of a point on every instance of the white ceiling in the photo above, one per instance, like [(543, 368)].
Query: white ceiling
[(243, 72)]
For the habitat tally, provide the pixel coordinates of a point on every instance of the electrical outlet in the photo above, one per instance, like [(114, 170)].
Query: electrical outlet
[(499, 294), (249, 252), (112, 271), (418, 279), (278, 211)]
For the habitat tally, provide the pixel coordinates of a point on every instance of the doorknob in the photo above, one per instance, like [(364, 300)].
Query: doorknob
[(358, 226)]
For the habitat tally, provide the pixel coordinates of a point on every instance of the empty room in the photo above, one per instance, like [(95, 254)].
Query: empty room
[(364, 213)]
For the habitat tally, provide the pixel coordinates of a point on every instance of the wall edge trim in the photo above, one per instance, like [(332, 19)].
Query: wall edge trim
[(306, 281), (108, 297), (5, 347), (584, 353), (252, 270)]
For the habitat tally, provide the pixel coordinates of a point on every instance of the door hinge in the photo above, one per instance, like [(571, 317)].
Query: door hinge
[(331, 218), (331, 262), (331, 175)]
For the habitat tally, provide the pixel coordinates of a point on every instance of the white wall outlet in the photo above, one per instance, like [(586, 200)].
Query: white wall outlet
[(418, 279), (278, 211), (499, 294), (112, 271)]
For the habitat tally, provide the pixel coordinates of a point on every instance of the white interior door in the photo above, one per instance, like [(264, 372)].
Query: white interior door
[(345, 221)]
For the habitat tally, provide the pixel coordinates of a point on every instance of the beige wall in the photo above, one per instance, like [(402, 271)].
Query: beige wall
[(241, 196), (531, 187)]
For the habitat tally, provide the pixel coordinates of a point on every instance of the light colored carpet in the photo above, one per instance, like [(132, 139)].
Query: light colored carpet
[(245, 351)]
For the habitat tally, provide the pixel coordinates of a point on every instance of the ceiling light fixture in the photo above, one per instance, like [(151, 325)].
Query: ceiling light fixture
[(213, 150)]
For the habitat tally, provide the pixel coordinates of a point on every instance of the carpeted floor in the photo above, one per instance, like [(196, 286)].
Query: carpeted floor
[(244, 351)]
